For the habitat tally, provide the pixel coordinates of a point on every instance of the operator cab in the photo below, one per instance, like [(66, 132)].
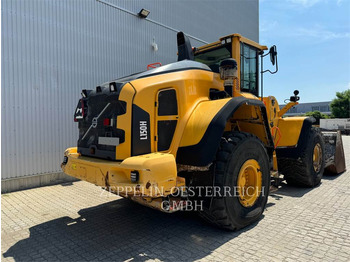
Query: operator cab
[(239, 48)]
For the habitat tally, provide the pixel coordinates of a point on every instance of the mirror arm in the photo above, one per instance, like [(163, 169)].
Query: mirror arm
[(271, 71), (262, 55)]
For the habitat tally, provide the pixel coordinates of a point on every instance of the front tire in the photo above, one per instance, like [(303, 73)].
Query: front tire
[(242, 165), (306, 167)]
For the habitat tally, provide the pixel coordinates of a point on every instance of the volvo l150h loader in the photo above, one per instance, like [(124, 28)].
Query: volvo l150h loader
[(200, 130)]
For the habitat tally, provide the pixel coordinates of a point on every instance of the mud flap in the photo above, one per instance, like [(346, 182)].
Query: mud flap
[(334, 155)]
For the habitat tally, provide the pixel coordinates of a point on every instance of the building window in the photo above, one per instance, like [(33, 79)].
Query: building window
[(324, 108), (315, 108), (249, 68)]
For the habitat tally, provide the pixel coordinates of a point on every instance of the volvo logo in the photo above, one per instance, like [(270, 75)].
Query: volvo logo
[(94, 122)]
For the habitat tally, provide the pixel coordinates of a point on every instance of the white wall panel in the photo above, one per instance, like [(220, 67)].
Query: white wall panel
[(52, 49)]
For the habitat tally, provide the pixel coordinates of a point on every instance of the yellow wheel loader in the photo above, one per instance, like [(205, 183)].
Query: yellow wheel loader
[(198, 134)]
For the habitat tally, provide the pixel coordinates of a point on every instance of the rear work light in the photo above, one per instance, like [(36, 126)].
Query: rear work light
[(134, 176), (112, 87), (84, 93), (106, 122), (79, 111)]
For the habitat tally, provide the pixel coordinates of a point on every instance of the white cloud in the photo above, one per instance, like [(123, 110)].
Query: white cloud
[(339, 2), (310, 3), (266, 26), (306, 3), (314, 34), (320, 34)]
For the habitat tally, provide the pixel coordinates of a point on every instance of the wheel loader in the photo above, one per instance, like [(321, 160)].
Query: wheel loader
[(200, 131)]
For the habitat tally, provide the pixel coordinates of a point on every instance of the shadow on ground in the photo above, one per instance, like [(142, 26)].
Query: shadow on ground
[(291, 191), (331, 176), (121, 230)]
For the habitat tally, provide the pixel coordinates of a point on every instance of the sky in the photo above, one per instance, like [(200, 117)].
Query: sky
[(313, 46)]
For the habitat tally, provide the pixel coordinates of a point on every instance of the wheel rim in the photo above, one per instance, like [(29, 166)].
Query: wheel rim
[(317, 157), (249, 183)]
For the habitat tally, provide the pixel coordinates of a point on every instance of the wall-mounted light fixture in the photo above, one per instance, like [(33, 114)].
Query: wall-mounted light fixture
[(144, 16), (143, 13)]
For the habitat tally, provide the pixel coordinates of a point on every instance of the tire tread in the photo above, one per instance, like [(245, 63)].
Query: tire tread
[(296, 170), (217, 213)]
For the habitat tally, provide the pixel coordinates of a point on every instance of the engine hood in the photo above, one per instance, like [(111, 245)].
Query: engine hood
[(169, 68)]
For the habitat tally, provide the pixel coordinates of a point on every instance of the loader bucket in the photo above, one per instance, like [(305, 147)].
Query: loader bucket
[(334, 152)]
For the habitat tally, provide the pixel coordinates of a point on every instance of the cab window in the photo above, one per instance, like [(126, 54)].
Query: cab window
[(213, 57), (249, 69)]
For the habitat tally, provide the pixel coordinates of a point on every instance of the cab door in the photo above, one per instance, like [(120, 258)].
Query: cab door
[(249, 69)]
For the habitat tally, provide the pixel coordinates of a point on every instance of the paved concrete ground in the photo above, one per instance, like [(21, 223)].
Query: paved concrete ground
[(74, 222)]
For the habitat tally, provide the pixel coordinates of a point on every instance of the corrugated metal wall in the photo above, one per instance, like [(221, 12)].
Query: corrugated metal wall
[(51, 49)]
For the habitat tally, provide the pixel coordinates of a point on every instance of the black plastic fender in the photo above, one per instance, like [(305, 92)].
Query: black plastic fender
[(203, 153)]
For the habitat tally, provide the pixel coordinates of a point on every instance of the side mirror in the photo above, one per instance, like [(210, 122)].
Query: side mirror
[(273, 54), (273, 57)]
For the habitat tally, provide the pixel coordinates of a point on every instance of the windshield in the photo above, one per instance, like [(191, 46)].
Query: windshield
[(213, 57)]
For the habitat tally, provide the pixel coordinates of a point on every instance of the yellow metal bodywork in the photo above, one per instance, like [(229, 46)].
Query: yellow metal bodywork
[(195, 113), (124, 121), (249, 119), (272, 110), (200, 120), (245, 40), (192, 88), (286, 108), (285, 131), (157, 173), (224, 39), (290, 128)]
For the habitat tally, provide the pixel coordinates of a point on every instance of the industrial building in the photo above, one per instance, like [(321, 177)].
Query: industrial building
[(303, 108), (52, 49)]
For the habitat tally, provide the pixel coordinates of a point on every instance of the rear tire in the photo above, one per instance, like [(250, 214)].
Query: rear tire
[(300, 170), (232, 212)]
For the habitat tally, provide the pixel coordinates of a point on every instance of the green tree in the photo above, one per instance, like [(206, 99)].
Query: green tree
[(340, 106), (317, 115)]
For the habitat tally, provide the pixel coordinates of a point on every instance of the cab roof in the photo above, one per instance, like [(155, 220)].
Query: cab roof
[(224, 39)]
